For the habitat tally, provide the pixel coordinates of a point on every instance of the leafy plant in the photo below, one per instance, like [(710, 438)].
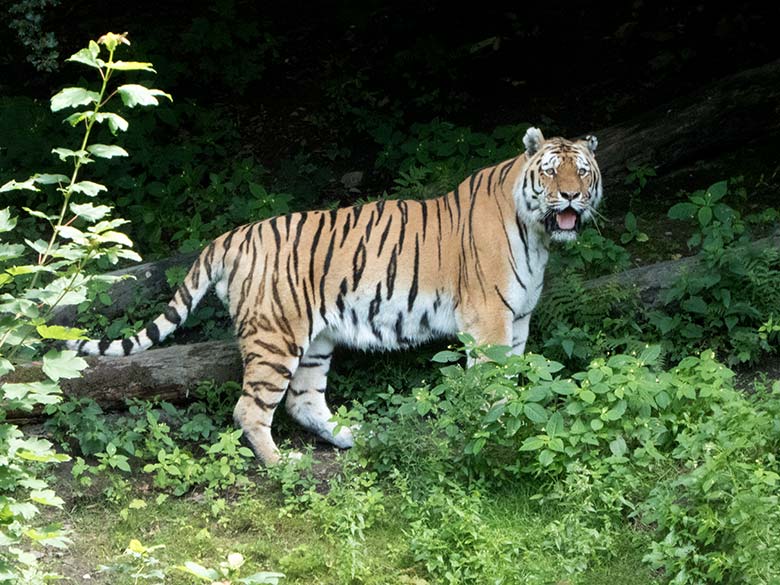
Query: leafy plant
[(80, 233)]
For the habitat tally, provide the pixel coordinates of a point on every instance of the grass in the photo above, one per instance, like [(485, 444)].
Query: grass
[(299, 545)]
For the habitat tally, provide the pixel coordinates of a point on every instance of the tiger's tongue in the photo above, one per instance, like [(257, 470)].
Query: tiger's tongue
[(566, 219)]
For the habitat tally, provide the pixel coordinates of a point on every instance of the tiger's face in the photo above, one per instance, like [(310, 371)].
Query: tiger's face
[(560, 185)]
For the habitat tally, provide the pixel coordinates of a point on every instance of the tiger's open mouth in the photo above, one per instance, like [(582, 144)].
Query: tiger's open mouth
[(568, 220)]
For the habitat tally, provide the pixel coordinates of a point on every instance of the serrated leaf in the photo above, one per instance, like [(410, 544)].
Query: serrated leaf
[(683, 210), (89, 211), (115, 121), (137, 95), (78, 117), (11, 251), (618, 447), (704, 216), (117, 238), (616, 411), (70, 233), (13, 185), (59, 332), (554, 424), (535, 412), (718, 190), (446, 356), (546, 457), (66, 153), (73, 96), (107, 150), (88, 188), (532, 444), (63, 364), (47, 179), (130, 66), (87, 56), (47, 498), (7, 221)]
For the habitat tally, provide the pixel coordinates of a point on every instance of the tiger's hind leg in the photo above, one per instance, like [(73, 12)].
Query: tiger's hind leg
[(306, 395), (268, 369)]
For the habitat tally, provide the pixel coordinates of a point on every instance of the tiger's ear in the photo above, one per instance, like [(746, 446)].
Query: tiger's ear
[(533, 140), (591, 142)]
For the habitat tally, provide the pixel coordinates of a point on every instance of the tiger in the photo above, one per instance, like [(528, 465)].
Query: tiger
[(388, 274)]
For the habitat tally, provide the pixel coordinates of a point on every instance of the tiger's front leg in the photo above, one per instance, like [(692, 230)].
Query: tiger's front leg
[(520, 326), (490, 324), (306, 396)]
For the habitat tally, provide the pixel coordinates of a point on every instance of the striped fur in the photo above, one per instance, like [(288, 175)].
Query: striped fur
[(385, 275)]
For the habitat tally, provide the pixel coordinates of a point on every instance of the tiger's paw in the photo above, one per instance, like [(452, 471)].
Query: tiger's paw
[(342, 439)]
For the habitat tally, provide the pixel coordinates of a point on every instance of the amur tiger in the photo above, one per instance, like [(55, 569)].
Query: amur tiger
[(384, 275)]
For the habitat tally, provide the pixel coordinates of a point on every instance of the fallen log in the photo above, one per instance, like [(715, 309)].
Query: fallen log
[(170, 373)]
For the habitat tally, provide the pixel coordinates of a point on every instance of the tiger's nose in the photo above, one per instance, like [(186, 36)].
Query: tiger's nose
[(570, 195)]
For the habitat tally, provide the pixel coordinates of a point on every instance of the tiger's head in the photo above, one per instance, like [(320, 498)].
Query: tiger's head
[(559, 187)]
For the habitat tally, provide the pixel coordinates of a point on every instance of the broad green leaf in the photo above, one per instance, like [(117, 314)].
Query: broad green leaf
[(40, 214), (662, 399), (88, 188), (568, 346), (70, 233), (563, 387), (718, 190), (444, 357), (73, 96), (554, 424), (616, 411), (650, 355), (88, 56), (535, 412), (704, 216), (59, 332), (137, 95), (130, 66), (47, 179), (7, 221), (13, 185), (27, 394), (117, 238), (78, 117), (532, 444), (66, 153), (5, 366), (47, 498), (106, 150), (199, 571), (63, 364), (11, 251), (618, 447), (115, 121), (683, 210), (695, 305), (587, 396), (261, 578), (546, 457), (89, 211)]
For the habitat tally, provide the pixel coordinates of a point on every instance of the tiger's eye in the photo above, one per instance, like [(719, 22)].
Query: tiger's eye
[(550, 172), (582, 172)]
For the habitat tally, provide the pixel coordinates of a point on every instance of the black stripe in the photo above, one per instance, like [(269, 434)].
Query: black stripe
[(153, 333), (103, 345), (172, 315), (127, 346), (308, 308), (424, 209), (313, 250), (292, 287), (346, 229), (358, 264), (325, 270), (415, 276), (503, 300), (391, 272), (275, 229), (298, 228), (402, 206), (384, 236), (333, 214)]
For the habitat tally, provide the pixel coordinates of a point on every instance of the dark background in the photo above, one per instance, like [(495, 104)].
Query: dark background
[(321, 80)]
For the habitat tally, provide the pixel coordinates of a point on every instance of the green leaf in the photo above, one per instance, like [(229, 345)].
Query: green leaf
[(446, 356), (78, 117), (117, 238), (47, 498), (59, 332), (25, 395), (568, 346), (532, 444), (630, 222), (106, 150), (650, 355), (695, 305), (596, 424), (115, 121), (546, 457), (718, 190), (587, 396), (63, 364), (13, 185), (7, 221), (683, 210), (704, 216), (262, 578), (618, 447), (87, 56), (66, 153), (554, 424), (130, 66), (88, 188), (89, 211), (73, 96), (137, 95), (46, 179), (11, 251), (662, 399), (199, 571), (535, 412), (616, 411)]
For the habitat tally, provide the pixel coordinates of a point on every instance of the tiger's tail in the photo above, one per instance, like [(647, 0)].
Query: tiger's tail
[(204, 272)]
